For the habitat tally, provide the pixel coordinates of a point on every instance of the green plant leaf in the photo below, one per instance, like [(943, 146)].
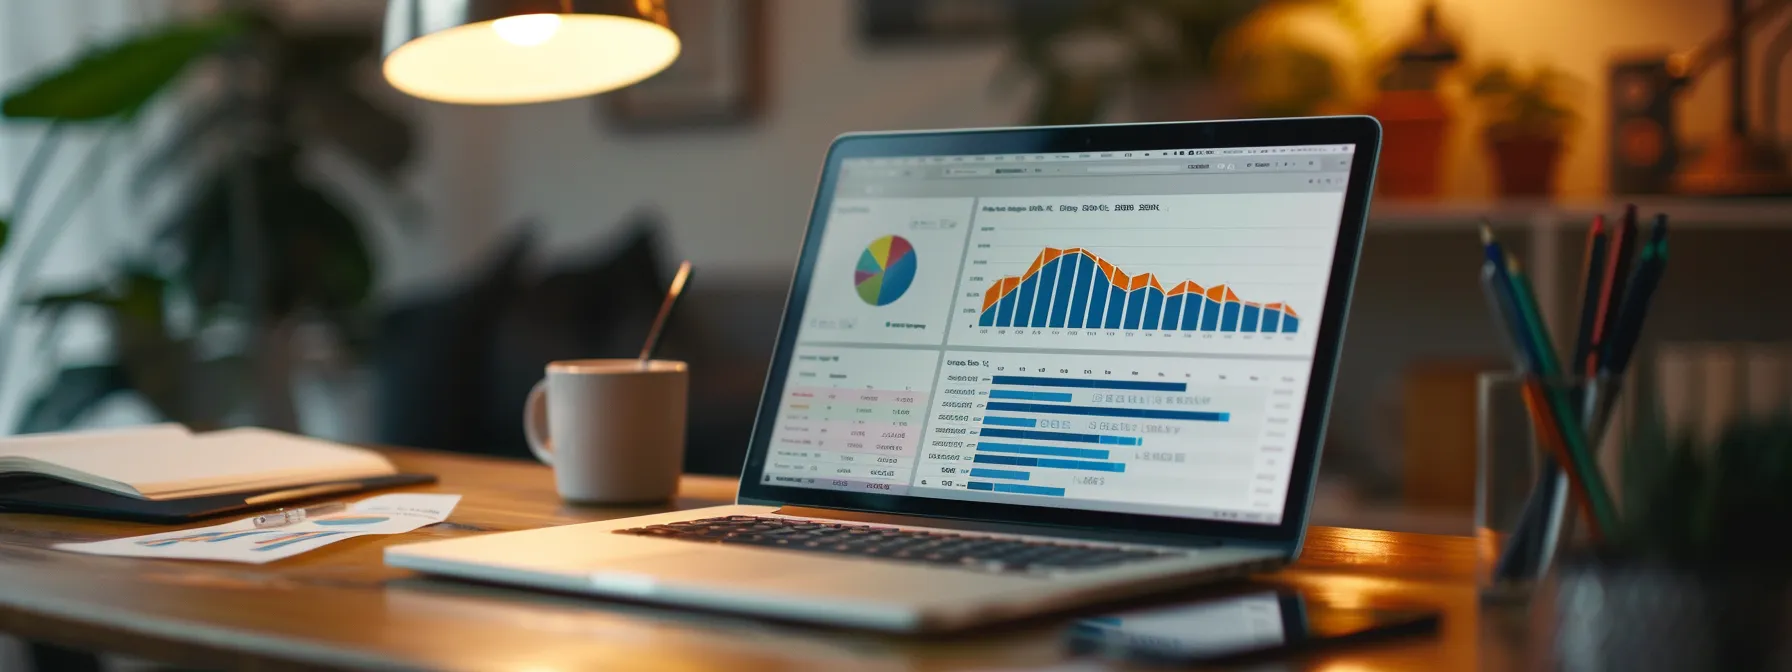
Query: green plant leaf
[(73, 393), (117, 80)]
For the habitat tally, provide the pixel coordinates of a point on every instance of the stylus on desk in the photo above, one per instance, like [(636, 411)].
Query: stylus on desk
[(285, 517)]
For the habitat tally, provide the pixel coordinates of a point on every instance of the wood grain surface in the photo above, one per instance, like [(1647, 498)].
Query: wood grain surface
[(339, 606)]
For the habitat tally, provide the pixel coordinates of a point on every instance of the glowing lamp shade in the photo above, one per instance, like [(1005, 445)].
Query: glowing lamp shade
[(504, 52)]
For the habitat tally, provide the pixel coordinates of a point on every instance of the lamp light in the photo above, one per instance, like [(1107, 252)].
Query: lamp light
[(502, 52)]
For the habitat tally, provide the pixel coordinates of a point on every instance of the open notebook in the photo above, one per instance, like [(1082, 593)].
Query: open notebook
[(165, 462)]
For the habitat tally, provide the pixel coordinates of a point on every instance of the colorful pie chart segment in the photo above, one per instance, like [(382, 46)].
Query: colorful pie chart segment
[(886, 269)]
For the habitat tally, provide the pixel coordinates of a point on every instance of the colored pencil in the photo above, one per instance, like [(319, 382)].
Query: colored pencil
[(1617, 271), (1579, 453), (1629, 326), (1592, 281)]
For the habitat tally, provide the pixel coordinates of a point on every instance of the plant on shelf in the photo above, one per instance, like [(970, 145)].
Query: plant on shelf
[(1528, 120), (202, 322)]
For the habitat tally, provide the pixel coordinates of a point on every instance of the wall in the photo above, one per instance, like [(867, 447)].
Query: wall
[(736, 198)]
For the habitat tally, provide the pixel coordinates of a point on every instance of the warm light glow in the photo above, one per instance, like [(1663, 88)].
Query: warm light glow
[(494, 63), (527, 30)]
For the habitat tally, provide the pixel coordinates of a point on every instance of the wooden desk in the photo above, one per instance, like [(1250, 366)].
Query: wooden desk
[(340, 607)]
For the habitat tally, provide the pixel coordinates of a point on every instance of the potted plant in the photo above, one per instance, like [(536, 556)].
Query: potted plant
[(1528, 120), (259, 247), (1699, 575)]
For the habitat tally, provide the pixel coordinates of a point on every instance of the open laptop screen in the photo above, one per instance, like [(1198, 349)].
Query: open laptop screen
[(1129, 332)]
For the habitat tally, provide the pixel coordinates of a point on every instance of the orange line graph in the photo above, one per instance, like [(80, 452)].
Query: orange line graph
[(1118, 278)]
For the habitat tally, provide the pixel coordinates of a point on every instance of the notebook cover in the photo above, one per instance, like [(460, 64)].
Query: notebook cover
[(24, 493)]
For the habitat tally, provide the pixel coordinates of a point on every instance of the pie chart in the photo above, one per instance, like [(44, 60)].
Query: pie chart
[(886, 269)]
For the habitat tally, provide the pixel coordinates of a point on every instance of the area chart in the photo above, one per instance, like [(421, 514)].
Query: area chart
[(1076, 289)]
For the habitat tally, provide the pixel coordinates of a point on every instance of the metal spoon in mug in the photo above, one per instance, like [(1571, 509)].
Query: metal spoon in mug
[(659, 321)]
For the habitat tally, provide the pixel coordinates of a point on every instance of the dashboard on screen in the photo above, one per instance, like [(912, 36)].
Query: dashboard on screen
[(1129, 332)]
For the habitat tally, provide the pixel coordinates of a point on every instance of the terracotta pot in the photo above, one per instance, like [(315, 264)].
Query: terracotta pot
[(1525, 165), (1413, 127)]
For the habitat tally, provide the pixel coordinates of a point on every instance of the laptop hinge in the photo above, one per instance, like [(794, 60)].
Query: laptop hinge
[(1088, 534)]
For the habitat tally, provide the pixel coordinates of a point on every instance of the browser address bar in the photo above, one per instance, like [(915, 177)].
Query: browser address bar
[(1158, 168)]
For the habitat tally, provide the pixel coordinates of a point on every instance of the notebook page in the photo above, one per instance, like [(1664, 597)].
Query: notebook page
[(171, 467)]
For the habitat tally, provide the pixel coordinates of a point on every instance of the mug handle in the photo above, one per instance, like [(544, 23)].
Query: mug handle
[(535, 423)]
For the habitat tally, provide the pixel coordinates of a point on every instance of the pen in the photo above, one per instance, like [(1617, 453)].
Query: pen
[(1617, 271), (1590, 292), (284, 517)]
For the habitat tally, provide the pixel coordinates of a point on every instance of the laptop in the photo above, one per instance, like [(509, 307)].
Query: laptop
[(1020, 370)]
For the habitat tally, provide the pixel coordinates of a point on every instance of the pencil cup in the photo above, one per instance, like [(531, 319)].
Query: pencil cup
[(1524, 504)]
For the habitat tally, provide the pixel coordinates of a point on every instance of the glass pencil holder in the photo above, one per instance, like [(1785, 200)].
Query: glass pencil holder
[(1526, 507)]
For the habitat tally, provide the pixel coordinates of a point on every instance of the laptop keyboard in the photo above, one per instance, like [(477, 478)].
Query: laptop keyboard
[(990, 554)]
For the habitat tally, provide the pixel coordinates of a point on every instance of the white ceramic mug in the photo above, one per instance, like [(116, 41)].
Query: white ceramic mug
[(612, 430)]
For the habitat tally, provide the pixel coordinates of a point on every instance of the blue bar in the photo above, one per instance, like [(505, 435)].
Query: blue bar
[(1009, 460), (1000, 473), (1048, 451), (1036, 435), (1248, 322), (1271, 320), (1116, 307), (1061, 296), (1173, 311), (1042, 381), (1290, 324), (1098, 298), (1154, 308), (1023, 301), (1049, 463), (1000, 421), (1229, 317), (1082, 272), (1029, 395), (1103, 411), (1005, 310), (1210, 315), (1017, 488), (1191, 313), (1048, 281), (1135, 308), (988, 318)]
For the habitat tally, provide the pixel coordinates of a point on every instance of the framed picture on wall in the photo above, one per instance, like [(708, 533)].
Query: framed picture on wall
[(885, 23), (718, 79)]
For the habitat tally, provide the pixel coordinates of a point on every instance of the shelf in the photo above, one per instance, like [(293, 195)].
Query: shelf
[(1701, 213)]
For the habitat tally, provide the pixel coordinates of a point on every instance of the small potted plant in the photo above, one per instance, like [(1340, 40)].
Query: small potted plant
[(1528, 120), (1699, 575)]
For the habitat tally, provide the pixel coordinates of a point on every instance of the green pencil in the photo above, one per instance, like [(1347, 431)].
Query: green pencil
[(1549, 367)]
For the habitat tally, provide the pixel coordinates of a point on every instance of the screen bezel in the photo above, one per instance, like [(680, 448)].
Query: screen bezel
[(1362, 131)]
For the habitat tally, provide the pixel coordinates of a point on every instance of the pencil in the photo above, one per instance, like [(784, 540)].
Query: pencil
[(1580, 455), (1549, 434), (1591, 283), (1629, 326), (1617, 272)]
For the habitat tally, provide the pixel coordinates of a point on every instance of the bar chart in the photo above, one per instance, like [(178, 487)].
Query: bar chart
[(1077, 289), (1133, 429)]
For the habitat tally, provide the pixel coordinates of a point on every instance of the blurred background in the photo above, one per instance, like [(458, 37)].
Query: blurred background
[(250, 226)]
